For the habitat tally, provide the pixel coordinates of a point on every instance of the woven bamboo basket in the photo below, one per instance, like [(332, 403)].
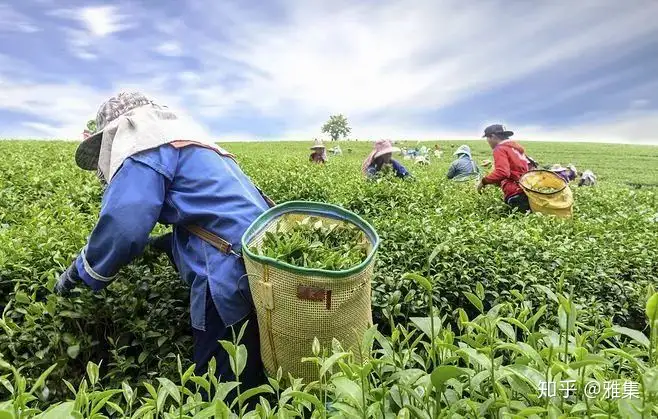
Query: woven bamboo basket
[(294, 305)]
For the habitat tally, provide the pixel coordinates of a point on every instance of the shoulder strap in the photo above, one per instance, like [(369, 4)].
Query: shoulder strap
[(216, 241)]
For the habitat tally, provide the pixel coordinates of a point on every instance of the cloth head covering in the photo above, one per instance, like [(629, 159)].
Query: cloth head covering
[(380, 148), (128, 124), (87, 153), (588, 174), (463, 149)]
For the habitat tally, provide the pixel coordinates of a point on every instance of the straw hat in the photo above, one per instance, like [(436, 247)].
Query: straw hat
[(317, 144), (384, 147)]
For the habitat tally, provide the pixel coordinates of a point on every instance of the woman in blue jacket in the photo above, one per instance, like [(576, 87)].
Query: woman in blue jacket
[(381, 157), (153, 174)]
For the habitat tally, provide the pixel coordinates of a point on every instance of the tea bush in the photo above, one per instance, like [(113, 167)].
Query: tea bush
[(466, 245)]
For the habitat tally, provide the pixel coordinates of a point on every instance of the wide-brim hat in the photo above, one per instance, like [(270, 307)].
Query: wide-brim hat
[(317, 144), (86, 155), (386, 151), (384, 147)]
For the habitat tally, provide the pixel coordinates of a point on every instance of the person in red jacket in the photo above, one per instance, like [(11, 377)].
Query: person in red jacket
[(510, 163)]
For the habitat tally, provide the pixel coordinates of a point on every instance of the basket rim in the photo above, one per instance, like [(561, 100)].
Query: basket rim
[(564, 183), (311, 208)]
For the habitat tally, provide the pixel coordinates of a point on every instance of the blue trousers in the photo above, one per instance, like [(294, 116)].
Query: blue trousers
[(206, 343), (206, 346)]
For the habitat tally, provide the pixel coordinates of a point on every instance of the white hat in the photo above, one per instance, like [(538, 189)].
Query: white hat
[(317, 144), (463, 149)]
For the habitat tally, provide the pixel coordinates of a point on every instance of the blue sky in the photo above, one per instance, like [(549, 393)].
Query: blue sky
[(585, 70)]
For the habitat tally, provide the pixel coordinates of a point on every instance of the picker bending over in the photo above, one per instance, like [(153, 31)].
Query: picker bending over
[(152, 176), (510, 163), (463, 167), (319, 154), (381, 157)]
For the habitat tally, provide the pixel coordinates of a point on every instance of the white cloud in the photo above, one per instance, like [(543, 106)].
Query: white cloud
[(13, 21), (639, 103), (103, 20), (630, 127), (170, 49), (43, 129), (188, 77), (359, 60), (62, 109), (378, 62), (98, 22)]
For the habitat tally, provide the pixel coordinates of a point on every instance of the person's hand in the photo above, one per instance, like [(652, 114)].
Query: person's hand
[(161, 243), (480, 186), (486, 163), (67, 281)]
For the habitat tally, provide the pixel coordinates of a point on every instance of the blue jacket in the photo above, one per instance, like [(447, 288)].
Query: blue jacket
[(463, 166), (400, 170), (191, 185)]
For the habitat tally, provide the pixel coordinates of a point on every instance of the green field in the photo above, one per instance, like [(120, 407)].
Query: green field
[(518, 299)]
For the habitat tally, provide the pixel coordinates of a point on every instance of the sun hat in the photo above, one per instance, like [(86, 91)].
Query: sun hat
[(318, 144), (498, 130), (380, 148), (463, 149), (86, 156), (384, 147)]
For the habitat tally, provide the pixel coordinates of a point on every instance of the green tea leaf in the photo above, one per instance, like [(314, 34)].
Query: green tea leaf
[(73, 351), (474, 300), (444, 373), (331, 361), (349, 389), (420, 280), (636, 335), (170, 388), (652, 310)]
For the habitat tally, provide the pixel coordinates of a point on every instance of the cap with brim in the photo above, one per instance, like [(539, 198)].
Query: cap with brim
[(497, 129), (386, 151), (317, 146)]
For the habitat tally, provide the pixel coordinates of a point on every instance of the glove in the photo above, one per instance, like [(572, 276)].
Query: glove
[(161, 243), (164, 244), (67, 281)]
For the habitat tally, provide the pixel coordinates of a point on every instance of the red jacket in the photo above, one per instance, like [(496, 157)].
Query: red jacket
[(510, 163)]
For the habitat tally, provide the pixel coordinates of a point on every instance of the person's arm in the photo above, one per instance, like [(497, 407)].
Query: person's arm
[(130, 209), (400, 170), (371, 172), (501, 168), (452, 170)]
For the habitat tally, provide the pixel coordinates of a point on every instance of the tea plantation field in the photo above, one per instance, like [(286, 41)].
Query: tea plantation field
[(517, 301)]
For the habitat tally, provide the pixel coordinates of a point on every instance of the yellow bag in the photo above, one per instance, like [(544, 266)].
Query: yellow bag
[(294, 305), (547, 193)]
